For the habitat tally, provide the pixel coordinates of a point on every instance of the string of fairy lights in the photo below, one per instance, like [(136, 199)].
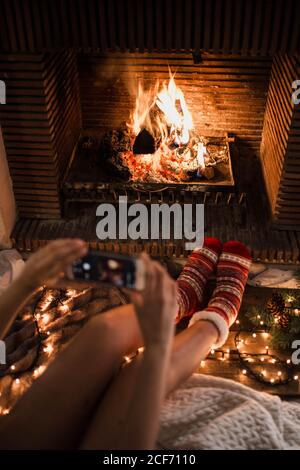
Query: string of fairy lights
[(45, 347), (265, 367)]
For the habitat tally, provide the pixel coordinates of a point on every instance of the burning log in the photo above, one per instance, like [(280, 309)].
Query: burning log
[(144, 143), (207, 172), (112, 147)]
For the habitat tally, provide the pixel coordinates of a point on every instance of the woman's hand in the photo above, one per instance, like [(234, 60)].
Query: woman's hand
[(156, 306), (46, 266)]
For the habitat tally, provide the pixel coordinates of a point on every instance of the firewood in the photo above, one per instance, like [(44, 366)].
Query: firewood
[(208, 172), (144, 143)]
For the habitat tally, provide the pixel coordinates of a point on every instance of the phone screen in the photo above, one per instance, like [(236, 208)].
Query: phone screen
[(102, 267)]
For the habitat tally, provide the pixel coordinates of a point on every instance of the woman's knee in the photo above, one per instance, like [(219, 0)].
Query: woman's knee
[(102, 332)]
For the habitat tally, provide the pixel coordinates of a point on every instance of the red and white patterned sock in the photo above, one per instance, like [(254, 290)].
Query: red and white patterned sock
[(232, 273), (194, 276)]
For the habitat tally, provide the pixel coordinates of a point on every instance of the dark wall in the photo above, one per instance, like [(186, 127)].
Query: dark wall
[(229, 26)]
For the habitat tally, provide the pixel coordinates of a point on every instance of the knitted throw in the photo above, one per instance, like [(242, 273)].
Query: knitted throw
[(215, 413)]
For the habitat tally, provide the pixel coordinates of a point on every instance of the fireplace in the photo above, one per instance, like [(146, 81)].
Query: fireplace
[(71, 84)]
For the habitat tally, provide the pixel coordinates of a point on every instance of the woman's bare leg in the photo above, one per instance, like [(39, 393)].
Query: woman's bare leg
[(58, 406), (190, 347), (207, 328)]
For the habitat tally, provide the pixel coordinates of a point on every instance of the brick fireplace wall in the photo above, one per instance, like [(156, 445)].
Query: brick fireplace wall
[(280, 147), (41, 122)]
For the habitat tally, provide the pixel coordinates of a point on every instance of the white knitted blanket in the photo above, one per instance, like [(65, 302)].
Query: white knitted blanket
[(214, 413)]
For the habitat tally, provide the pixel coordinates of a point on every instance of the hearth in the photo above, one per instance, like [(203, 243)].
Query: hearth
[(161, 105)]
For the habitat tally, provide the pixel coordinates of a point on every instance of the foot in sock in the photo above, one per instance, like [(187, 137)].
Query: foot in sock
[(194, 276), (232, 273)]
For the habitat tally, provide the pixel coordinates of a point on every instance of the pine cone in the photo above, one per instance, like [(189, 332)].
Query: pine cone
[(282, 320), (275, 305)]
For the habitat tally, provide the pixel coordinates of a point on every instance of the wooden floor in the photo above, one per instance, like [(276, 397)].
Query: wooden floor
[(231, 367)]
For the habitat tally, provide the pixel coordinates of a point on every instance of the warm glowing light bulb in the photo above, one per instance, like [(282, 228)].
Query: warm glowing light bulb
[(37, 372), (45, 319), (71, 292), (296, 377), (296, 311), (202, 363), (264, 372), (244, 371), (262, 359), (212, 351), (254, 335), (237, 322), (47, 302), (17, 381), (279, 373), (273, 361), (288, 361), (13, 367), (48, 349), (272, 381), (64, 308), (261, 322)]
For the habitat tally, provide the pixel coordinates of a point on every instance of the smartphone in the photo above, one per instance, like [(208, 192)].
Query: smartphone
[(118, 270)]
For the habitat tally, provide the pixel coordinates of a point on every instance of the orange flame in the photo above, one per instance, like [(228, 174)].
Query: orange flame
[(176, 120), (180, 121)]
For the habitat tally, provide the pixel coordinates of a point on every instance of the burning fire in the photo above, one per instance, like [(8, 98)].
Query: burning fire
[(179, 121), (164, 113)]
